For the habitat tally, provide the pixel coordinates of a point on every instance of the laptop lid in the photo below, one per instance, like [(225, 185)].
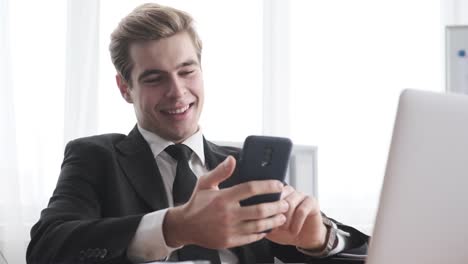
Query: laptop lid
[(423, 209)]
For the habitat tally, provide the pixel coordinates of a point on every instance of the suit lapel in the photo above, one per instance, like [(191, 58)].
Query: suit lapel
[(213, 156), (139, 166)]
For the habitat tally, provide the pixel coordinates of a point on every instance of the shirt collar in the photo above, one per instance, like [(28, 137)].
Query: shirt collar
[(158, 144)]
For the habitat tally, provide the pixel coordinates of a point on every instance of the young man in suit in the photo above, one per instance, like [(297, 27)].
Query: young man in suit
[(116, 201)]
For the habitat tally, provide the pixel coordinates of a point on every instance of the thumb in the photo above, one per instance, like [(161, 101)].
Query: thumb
[(223, 171)]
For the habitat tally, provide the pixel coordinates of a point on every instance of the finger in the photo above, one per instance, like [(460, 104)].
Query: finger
[(257, 226), (287, 190), (263, 210), (305, 208), (248, 189), (293, 199), (218, 174), (245, 239)]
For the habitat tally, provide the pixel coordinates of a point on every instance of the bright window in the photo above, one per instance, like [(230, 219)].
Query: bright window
[(349, 62)]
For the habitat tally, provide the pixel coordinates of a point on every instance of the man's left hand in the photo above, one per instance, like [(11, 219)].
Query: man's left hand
[(303, 227)]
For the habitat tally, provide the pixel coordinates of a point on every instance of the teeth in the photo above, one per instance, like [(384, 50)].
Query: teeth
[(178, 111)]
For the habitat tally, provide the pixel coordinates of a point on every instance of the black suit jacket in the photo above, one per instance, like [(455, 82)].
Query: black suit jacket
[(107, 183)]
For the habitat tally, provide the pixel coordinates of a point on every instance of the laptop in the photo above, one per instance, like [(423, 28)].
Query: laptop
[(423, 209)]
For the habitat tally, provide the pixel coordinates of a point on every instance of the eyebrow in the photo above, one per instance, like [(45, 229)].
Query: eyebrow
[(157, 71)]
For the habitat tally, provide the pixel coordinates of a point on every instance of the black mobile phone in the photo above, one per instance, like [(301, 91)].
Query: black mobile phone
[(264, 158)]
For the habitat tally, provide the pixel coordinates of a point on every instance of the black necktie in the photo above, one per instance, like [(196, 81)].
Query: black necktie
[(184, 183)]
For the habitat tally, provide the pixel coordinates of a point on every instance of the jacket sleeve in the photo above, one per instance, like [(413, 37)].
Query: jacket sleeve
[(72, 229)]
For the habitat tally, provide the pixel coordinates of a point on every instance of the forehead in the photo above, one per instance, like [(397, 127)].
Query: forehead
[(163, 54)]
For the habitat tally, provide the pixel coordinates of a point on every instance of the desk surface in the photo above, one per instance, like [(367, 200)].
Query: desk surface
[(333, 260)]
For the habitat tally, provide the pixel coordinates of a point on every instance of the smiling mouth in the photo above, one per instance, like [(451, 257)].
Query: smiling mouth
[(178, 111)]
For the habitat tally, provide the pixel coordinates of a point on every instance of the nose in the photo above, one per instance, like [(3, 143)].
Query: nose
[(176, 87)]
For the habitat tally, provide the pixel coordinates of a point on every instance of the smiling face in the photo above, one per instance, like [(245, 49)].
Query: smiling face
[(167, 86)]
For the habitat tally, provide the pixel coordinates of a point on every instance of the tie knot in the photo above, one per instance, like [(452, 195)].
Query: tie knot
[(179, 152)]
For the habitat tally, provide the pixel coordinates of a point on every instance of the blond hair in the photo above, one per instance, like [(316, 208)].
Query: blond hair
[(148, 22)]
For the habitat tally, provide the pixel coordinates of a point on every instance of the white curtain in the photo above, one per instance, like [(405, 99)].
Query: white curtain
[(349, 62), (82, 69), (9, 182), (49, 87)]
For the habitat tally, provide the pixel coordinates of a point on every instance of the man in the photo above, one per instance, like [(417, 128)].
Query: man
[(117, 198)]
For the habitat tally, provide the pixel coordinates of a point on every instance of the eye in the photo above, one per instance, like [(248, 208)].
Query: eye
[(153, 80), (187, 72)]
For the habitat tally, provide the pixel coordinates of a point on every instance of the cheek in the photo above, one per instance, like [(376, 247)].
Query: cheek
[(197, 87), (149, 101)]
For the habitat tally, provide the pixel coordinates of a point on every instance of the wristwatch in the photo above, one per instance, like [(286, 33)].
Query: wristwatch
[(331, 240)]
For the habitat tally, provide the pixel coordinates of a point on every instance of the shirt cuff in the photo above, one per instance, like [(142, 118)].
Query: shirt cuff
[(148, 243)]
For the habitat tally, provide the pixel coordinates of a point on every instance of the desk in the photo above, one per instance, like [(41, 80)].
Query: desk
[(339, 261), (332, 260)]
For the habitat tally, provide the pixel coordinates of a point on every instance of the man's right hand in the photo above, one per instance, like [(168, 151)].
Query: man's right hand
[(213, 218)]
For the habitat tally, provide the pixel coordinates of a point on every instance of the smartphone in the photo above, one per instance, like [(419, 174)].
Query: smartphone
[(264, 158)]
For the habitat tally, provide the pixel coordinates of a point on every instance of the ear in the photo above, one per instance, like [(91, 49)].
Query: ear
[(124, 88)]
